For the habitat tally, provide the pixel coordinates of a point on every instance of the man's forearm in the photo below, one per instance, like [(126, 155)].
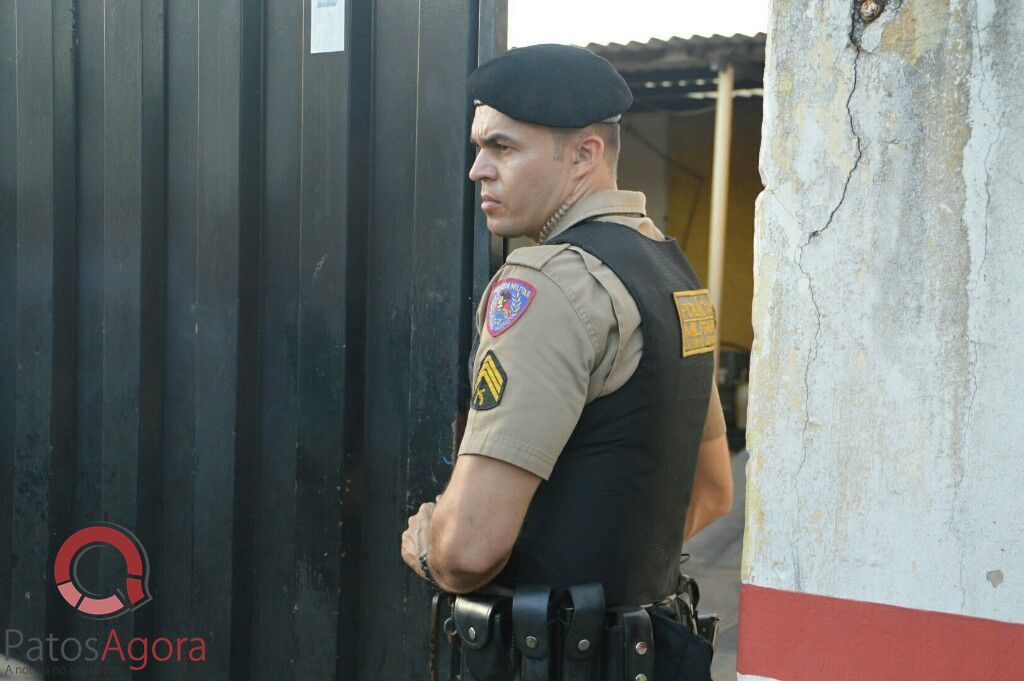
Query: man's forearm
[(711, 494), (452, 565), (457, 582)]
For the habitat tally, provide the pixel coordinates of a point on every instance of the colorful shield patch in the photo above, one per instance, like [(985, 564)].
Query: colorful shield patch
[(508, 302), (490, 383), (696, 321)]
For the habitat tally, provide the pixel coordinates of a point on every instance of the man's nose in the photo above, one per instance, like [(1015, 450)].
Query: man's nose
[(482, 169)]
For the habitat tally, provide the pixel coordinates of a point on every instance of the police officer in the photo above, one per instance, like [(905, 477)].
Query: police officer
[(595, 441)]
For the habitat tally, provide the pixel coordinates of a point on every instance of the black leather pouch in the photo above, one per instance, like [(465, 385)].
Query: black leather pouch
[(484, 625), (629, 645), (583, 624), (536, 626), (614, 666), (682, 654)]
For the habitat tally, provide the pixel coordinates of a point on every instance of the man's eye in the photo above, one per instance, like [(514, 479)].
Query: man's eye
[(502, 148)]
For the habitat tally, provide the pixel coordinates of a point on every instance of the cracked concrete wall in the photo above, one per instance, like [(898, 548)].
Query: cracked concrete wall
[(885, 425)]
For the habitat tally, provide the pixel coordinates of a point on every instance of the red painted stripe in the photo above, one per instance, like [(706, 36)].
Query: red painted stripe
[(804, 637)]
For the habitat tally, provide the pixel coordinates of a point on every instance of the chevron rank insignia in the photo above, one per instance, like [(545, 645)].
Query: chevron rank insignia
[(508, 302), (490, 383)]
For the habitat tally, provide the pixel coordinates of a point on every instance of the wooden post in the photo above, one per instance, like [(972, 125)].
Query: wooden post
[(720, 189)]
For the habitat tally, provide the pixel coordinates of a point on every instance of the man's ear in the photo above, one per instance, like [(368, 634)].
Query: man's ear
[(589, 150)]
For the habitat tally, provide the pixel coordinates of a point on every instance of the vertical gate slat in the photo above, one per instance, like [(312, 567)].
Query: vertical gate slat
[(89, 305), (386, 581), (122, 254), (321, 356), (120, 307), (34, 295), (8, 299), (173, 576), (275, 587), (249, 383), (356, 499), (109, 296), (441, 244), (44, 235), (216, 331), (64, 198), (153, 213)]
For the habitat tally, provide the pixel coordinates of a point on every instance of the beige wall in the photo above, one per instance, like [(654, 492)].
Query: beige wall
[(642, 160), (690, 141)]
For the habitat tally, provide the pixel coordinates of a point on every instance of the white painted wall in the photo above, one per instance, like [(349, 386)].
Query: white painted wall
[(887, 389)]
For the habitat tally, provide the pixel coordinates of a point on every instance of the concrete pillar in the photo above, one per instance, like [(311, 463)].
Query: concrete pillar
[(885, 522)]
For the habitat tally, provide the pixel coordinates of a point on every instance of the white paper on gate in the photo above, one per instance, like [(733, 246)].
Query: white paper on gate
[(326, 26)]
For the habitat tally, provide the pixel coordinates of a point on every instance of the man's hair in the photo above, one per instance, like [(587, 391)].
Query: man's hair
[(609, 132)]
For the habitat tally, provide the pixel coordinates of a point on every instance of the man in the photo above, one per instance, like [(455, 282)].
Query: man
[(595, 441)]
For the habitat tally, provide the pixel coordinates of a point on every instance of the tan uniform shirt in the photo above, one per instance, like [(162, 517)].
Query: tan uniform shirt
[(578, 339)]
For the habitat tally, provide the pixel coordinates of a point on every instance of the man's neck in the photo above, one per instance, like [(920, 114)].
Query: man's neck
[(580, 192)]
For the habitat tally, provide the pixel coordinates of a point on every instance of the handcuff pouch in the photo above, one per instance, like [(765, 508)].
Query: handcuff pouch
[(484, 626)]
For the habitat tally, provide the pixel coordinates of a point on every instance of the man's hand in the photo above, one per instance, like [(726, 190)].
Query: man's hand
[(415, 537)]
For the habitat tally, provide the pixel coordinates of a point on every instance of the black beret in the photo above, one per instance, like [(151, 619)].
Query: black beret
[(559, 86)]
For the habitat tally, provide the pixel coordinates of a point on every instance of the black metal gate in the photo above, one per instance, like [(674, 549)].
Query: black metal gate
[(236, 280)]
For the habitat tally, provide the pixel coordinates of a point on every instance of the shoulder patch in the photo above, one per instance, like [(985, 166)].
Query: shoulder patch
[(507, 304), (696, 321), (490, 383)]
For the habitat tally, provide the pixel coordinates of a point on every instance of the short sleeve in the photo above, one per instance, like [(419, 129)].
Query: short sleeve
[(714, 424), (531, 371)]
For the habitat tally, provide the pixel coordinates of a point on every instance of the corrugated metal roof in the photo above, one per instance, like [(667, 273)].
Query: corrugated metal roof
[(672, 73), (695, 50), (694, 40)]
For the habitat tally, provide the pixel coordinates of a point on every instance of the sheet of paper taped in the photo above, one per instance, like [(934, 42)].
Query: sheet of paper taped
[(326, 26)]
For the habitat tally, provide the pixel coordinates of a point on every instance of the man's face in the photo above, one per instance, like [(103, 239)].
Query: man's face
[(521, 181)]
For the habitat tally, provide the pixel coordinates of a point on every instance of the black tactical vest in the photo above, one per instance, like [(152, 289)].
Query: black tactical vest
[(614, 507)]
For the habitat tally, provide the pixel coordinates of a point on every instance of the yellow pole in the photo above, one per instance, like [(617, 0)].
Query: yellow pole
[(720, 190)]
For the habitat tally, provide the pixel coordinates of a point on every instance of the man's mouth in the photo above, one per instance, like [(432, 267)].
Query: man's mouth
[(489, 203)]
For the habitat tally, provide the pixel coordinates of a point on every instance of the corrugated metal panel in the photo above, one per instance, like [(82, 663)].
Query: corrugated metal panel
[(693, 51), (680, 73), (237, 282)]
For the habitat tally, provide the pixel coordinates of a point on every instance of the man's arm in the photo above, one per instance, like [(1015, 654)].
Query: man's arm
[(532, 376), (470, 533), (711, 497)]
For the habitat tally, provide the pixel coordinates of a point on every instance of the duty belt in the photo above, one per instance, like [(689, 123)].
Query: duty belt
[(540, 635)]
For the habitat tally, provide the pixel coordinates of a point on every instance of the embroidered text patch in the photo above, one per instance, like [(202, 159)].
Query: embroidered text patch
[(508, 302), (696, 321), (490, 383)]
